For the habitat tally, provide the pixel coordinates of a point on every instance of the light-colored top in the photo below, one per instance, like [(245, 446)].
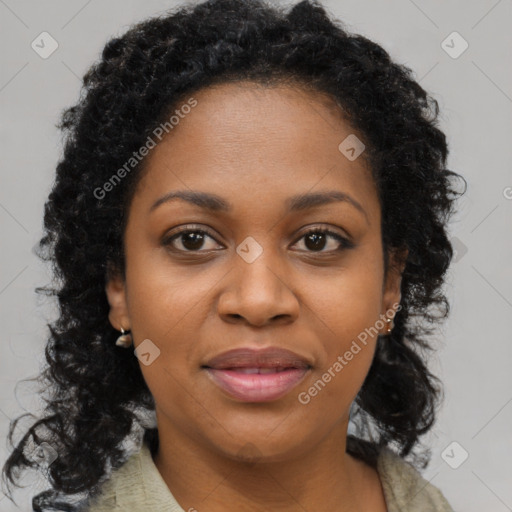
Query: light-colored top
[(137, 486)]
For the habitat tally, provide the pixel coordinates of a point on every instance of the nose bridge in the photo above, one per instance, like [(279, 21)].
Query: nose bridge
[(257, 268), (258, 288)]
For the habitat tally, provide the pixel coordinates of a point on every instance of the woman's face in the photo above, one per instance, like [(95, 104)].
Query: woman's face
[(256, 279)]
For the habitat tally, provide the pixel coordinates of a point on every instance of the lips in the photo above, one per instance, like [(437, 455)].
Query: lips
[(276, 358), (253, 375)]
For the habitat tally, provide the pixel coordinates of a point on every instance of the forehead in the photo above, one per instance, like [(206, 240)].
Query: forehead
[(247, 111), (265, 142)]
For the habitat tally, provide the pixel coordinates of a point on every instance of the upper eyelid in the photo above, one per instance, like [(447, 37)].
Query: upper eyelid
[(311, 228)]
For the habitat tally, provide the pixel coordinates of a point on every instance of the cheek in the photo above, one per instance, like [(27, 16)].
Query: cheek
[(347, 303), (162, 300), (347, 350), (345, 313), (184, 406)]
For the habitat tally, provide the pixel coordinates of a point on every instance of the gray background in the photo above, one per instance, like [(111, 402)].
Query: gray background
[(474, 91)]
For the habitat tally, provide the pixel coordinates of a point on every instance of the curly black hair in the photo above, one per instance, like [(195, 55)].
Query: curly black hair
[(93, 389)]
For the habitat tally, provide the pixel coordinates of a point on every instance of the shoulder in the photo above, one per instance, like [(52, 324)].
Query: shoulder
[(121, 480), (136, 486), (404, 487)]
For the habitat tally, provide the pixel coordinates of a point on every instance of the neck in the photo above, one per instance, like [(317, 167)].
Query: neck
[(324, 477)]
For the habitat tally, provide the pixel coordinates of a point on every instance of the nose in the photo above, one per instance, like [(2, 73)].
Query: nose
[(258, 293)]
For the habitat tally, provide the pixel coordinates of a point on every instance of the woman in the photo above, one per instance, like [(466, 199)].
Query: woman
[(249, 233)]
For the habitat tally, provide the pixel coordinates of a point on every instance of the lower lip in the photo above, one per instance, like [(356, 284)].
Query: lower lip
[(257, 387)]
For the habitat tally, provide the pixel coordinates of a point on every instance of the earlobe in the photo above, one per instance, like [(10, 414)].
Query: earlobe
[(115, 290)]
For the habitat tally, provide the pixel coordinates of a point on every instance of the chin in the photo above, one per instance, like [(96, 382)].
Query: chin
[(259, 448)]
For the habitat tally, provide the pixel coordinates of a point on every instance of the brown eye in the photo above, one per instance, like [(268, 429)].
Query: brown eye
[(191, 240), (316, 240)]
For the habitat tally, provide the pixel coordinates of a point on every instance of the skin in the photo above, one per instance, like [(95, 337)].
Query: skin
[(256, 146)]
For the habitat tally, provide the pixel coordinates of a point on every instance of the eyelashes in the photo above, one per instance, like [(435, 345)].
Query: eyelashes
[(194, 244), (344, 243)]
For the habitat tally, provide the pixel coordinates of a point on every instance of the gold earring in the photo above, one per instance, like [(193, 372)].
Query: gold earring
[(390, 326), (125, 340)]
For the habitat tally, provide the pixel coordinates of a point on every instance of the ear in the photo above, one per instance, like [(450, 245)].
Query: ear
[(392, 285), (115, 289)]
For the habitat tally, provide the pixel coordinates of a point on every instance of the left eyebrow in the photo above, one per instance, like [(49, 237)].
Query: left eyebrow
[(310, 200), (295, 203)]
